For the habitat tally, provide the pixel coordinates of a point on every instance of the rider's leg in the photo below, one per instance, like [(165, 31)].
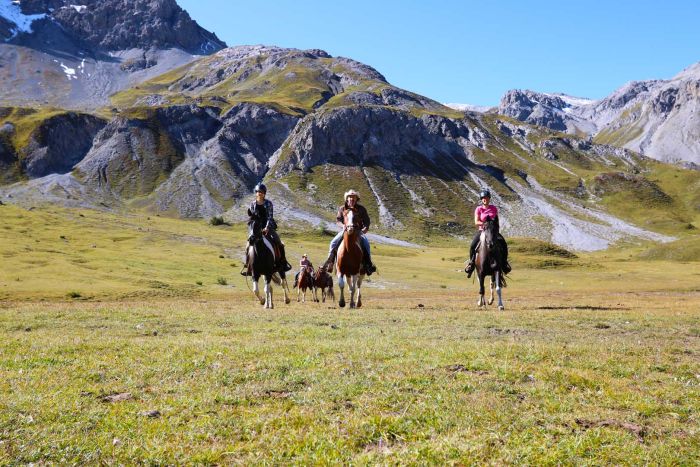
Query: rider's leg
[(472, 250), (369, 267), (335, 243), (504, 249), (282, 263)]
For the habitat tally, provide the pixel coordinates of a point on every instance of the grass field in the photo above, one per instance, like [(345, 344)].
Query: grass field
[(120, 343)]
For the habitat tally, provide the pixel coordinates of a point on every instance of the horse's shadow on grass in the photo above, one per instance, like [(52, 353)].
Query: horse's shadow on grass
[(582, 307)]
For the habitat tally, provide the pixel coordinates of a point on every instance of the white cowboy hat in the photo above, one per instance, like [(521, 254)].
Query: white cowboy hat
[(352, 193), (304, 255)]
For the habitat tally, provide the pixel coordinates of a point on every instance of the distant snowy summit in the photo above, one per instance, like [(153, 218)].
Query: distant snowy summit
[(470, 107), (658, 118)]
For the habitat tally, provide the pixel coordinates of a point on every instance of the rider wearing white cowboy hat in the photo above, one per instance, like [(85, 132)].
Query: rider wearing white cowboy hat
[(352, 199)]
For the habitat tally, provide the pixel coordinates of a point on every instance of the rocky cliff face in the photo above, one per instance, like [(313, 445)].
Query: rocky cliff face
[(112, 25), (59, 143)]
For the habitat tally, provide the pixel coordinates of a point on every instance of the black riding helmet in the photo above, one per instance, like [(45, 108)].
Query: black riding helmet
[(484, 194), (260, 187)]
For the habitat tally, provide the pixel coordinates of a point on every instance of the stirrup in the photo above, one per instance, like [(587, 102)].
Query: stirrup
[(469, 268)]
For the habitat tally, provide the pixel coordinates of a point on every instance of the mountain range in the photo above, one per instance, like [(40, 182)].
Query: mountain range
[(657, 118), (105, 108)]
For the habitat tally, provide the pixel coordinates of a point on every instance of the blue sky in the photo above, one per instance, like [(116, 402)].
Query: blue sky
[(473, 51)]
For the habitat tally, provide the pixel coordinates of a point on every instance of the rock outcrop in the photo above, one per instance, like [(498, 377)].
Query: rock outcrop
[(59, 143)]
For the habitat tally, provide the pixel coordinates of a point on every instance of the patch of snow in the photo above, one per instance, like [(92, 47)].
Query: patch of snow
[(70, 72), (78, 8), (469, 107), (12, 12)]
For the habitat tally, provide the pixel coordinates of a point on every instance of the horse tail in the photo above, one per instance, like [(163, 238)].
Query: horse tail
[(502, 280)]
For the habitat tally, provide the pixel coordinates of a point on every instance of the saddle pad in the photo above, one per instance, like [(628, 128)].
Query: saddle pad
[(269, 246)]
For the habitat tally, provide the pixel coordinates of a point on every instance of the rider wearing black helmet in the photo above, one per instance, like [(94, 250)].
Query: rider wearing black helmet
[(261, 211), (484, 210)]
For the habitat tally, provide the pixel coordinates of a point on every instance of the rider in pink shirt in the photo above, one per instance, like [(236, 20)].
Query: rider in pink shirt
[(481, 213)]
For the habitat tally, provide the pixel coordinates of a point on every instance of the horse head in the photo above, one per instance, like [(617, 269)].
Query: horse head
[(254, 229), (349, 221), (490, 232)]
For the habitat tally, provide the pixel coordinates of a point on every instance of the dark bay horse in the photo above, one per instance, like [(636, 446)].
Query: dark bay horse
[(349, 262), (323, 281), (261, 257), (488, 262), (304, 282)]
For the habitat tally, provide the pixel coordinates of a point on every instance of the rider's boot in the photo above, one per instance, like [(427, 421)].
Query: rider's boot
[(328, 264), (470, 267), (506, 267), (369, 267), (245, 271), (282, 264)]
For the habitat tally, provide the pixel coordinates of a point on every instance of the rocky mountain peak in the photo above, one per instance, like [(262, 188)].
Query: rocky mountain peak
[(112, 25)]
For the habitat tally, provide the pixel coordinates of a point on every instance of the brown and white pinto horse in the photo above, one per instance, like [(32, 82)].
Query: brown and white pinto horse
[(323, 281), (488, 263), (304, 282), (349, 262)]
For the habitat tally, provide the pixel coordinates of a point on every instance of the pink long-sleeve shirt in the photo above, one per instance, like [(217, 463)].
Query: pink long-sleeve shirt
[(482, 212)]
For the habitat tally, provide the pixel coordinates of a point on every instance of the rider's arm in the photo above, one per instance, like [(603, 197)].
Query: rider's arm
[(339, 220), (270, 214), (365, 220), (477, 221)]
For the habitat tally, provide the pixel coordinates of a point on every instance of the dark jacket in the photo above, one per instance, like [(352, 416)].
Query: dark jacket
[(362, 218), (263, 214)]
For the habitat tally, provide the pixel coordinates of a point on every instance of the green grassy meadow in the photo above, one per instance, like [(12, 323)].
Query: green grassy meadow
[(596, 359)]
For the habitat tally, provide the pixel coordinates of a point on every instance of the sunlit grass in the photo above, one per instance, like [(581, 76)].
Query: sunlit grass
[(595, 360)]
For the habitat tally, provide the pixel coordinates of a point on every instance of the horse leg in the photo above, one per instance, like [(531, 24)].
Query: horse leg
[(491, 285), (352, 285), (498, 289), (285, 290), (482, 301), (359, 291), (256, 290), (268, 293), (341, 285)]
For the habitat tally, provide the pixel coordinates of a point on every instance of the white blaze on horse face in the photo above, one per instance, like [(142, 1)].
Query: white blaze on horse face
[(351, 219)]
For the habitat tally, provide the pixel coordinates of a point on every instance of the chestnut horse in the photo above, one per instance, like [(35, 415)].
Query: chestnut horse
[(323, 281), (349, 262), (488, 262), (305, 282)]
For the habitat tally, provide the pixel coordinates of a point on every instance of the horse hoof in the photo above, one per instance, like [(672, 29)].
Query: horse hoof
[(359, 304), (287, 301), (341, 304), (501, 308), (262, 302), (490, 302)]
